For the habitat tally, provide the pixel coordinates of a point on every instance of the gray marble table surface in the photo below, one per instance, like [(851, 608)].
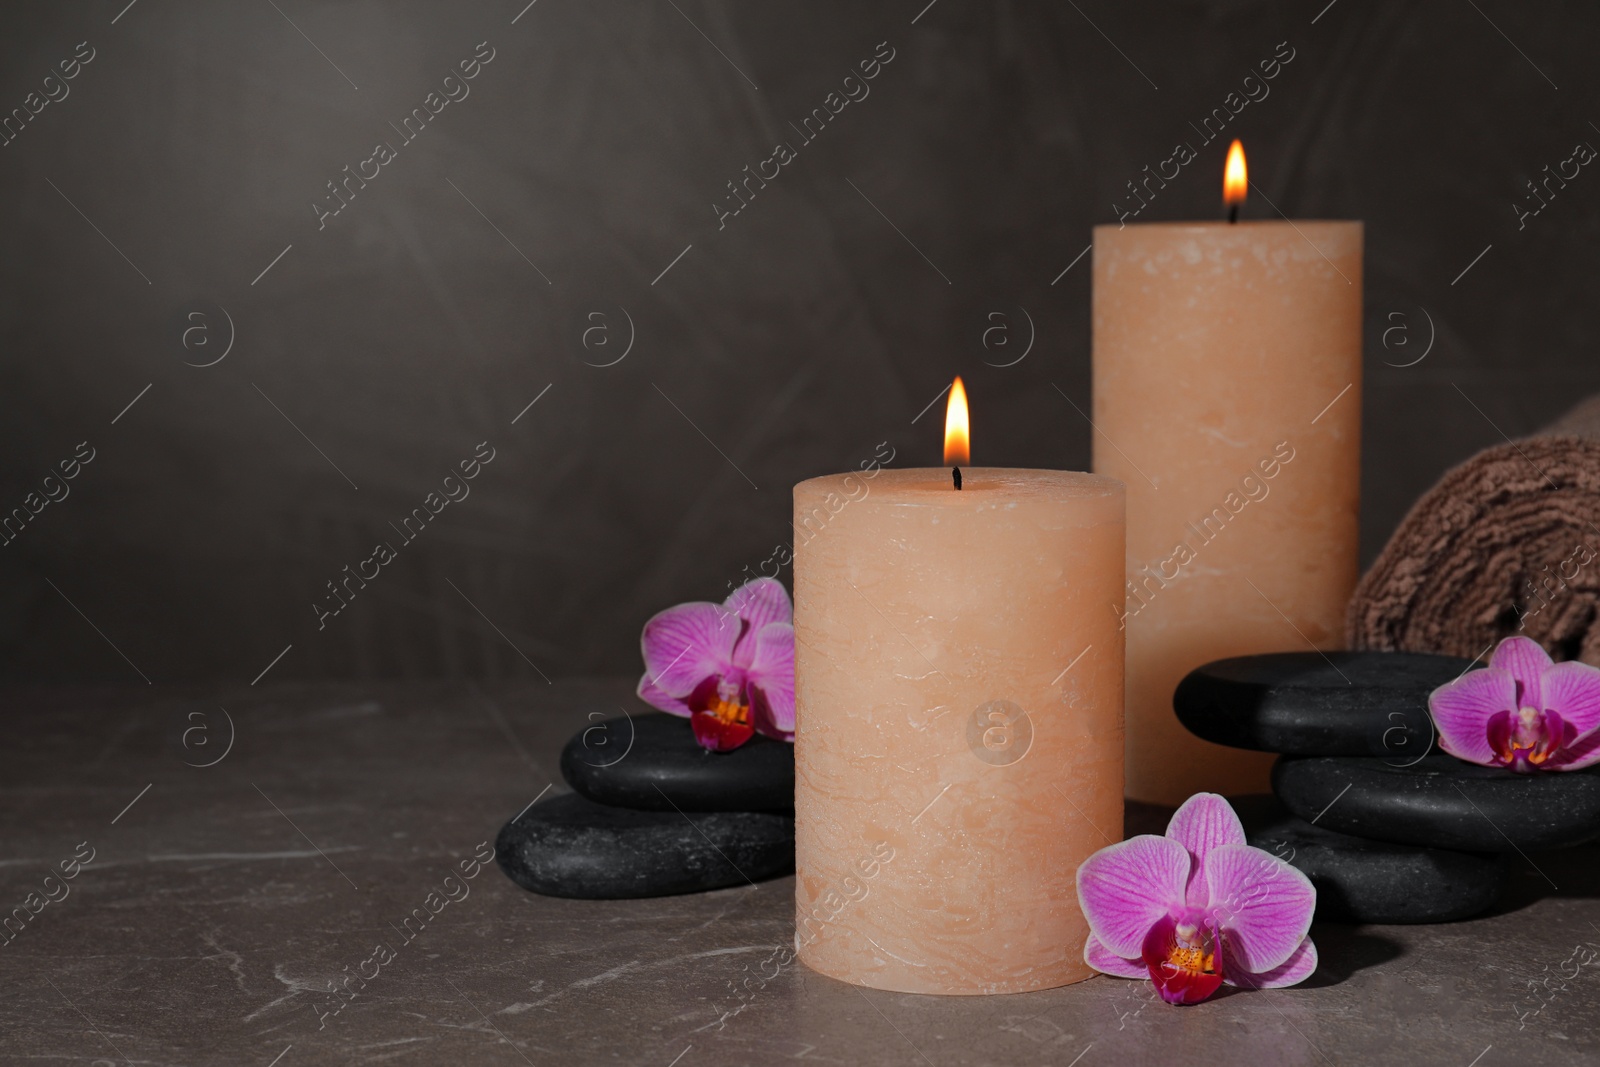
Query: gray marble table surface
[(225, 905)]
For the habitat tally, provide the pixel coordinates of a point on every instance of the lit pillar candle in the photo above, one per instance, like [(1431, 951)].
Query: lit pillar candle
[(958, 699), (1227, 395)]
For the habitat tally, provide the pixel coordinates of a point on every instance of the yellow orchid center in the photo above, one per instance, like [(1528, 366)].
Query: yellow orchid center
[(1189, 954), (729, 712)]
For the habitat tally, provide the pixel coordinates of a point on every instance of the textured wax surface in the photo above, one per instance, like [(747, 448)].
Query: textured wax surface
[(936, 845), (1227, 392)]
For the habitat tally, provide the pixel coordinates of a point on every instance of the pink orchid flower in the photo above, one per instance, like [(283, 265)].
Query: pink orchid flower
[(1197, 908), (729, 668), (1524, 711)]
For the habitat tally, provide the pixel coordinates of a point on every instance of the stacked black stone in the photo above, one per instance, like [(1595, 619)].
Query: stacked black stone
[(653, 814), (1388, 828)]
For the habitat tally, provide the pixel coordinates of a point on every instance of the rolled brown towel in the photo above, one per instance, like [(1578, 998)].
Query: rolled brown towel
[(1508, 542)]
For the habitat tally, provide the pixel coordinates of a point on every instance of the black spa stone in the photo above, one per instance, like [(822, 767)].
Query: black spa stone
[(653, 763), (1364, 881), (1442, 802), (570, 846), (1305, 704)]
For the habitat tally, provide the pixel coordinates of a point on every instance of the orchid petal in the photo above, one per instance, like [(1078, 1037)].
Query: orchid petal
[(1263, 905), (1296, 969), (757, 604), (1526, 661), (685, 644), (1584, 752), (1105, 961), (1124, 888), (1204, 821), (765, 719), (771, 675), (660, 699), (1554, 734), (1573, 690), (1461, 711), (1498, 731)]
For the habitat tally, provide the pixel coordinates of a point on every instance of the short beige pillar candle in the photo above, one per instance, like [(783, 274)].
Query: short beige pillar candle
[(1227, 395), (958, 700)]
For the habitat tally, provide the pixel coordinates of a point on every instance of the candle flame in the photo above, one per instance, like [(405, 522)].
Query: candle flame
[(1235, 180), (957, 432)]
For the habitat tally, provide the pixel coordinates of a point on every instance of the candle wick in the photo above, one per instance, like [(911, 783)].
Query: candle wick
[(955, 474), (1233, 214)]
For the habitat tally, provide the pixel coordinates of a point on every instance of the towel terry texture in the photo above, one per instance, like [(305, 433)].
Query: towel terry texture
[(1507, 543)]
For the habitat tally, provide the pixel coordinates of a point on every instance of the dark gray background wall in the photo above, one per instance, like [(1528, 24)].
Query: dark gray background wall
[(457, 287)]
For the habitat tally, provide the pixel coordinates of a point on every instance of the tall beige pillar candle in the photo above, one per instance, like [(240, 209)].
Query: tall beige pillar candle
[(1227, 395), (958, 702)]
